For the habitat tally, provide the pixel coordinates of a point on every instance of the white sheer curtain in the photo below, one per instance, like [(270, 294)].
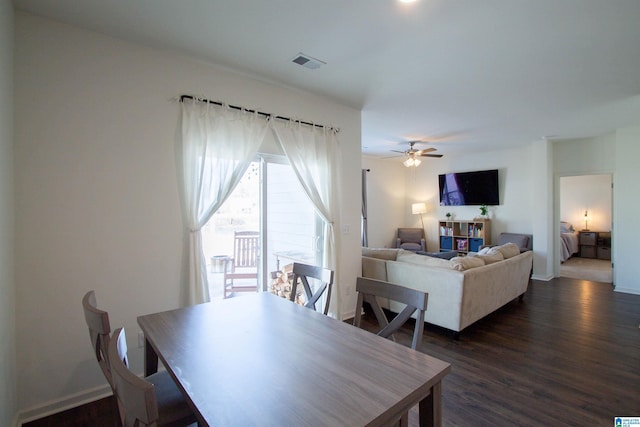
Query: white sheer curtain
[(314, 155), (218, 144)]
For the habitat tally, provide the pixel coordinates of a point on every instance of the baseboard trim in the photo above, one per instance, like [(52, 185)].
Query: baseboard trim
[(62, 404), (543, 278), (627, 290), (348, 315)]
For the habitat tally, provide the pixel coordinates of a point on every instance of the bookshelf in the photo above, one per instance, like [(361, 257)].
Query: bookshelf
[(464, 236)]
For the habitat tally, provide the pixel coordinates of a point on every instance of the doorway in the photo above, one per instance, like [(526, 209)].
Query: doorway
[(270, 201), (586, 227)]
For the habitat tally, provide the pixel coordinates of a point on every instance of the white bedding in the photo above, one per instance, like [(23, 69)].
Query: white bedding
[(568, 245)]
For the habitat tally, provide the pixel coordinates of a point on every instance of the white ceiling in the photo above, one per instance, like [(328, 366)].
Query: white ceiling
[(462, 74)]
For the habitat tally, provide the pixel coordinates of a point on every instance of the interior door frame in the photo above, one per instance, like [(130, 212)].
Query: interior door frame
[(557, 218)]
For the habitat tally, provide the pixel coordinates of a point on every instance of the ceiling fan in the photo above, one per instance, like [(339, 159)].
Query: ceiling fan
[(412, 154)]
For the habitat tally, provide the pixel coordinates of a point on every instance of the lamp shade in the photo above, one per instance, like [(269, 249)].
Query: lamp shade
[(418, 208)]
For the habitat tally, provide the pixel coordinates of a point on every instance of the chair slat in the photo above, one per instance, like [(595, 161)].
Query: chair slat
[(369, 289), (302, 273)]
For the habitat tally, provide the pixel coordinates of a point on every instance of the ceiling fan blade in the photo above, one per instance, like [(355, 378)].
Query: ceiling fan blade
[(431, 155), (426, 150), (396, 151)]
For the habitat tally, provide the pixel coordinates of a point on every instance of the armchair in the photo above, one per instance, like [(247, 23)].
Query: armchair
[(523, 241), (411, 239)]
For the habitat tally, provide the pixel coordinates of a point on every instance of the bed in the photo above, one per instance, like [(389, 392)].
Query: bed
[(568, 241)]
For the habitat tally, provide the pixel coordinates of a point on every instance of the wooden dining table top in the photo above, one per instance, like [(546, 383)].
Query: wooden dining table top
[(261, 360)]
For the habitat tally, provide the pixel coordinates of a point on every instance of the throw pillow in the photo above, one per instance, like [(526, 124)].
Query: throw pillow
[(566, 227), (462, 263), (484, 250), (490, 258), (509, 250)]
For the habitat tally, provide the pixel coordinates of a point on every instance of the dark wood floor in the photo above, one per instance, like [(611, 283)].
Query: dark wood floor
[(568, 355)]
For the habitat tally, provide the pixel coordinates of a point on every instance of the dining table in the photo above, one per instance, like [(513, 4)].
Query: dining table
[(261, 360)]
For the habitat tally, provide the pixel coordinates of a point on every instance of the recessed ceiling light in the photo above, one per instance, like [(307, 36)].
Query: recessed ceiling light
[(407, 1)]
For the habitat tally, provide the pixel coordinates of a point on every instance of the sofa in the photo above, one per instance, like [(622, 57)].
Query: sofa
[(461, 290)]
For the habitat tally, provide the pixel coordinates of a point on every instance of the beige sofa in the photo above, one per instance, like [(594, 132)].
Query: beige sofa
[(462, 290)]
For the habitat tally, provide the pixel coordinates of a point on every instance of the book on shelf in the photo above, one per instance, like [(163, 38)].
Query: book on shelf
[(475, 230)]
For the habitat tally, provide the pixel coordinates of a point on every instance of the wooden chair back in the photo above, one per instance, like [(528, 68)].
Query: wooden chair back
[(244, 262), (302, 273), (245, 249), (99, 332), (136, 396), (369, 289)]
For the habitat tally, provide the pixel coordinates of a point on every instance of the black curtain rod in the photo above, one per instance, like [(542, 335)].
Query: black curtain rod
[(266, 115)]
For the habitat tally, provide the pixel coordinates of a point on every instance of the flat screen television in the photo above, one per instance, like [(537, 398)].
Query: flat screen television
[(469, 188)]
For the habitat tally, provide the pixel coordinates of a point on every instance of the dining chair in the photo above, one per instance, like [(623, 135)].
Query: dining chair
[(99, 332), (152, 401), (415, 301), (243, 264), (324, 277)]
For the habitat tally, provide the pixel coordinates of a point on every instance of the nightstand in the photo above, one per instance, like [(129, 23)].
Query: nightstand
[(588, 244), (595, 244)]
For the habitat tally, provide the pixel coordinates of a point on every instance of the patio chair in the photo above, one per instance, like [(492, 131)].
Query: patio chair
[(243, 265)]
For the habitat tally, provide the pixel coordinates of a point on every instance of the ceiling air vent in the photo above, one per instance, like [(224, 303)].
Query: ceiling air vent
[(307, 61)]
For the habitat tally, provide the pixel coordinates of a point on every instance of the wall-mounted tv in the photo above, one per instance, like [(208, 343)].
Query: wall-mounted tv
[(469, 188)]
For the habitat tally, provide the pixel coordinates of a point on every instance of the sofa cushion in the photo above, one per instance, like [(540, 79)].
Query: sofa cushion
[(508, 250), (442, 255), (374, 268), (411, 246), (489, 257), (410, 257), (462, 263), (381, 253)]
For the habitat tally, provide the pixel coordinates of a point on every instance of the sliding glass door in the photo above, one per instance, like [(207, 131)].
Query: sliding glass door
[(270, 201)]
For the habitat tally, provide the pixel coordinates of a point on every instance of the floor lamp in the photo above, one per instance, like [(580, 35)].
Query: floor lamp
[(419, 209)]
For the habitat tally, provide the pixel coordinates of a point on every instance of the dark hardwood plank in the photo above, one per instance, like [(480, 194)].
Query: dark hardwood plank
[(100, 413), (568, 355)]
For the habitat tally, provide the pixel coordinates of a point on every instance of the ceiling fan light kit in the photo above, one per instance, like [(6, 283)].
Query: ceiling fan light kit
[(412, 161), (412, 155)]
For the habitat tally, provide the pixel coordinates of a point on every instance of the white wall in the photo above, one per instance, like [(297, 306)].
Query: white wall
[(541, 213), (586, 192), (584, 156), (97, 192), (515, 196), (386, 194), (626, 206), (8, 401)]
